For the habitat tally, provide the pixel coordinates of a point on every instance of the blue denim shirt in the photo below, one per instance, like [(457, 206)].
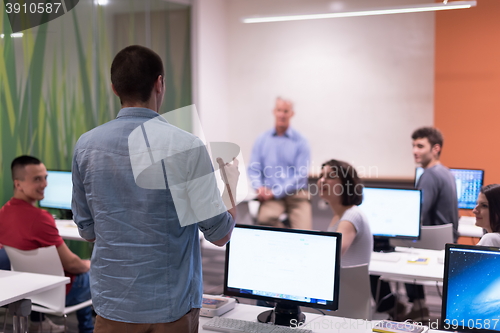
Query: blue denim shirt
[(146, 267), (280, 163)]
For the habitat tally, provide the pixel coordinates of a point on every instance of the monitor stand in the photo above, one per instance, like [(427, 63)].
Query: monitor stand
[(382, 245), (283, 315), (66, 214)]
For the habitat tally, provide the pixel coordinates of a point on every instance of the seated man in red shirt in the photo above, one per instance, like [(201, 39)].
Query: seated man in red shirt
[(27, 227)]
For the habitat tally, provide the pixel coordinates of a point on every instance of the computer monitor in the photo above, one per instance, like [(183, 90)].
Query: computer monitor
[(471, 284), (392, 213), (58, 192), (469, 183), (418, 173), (290, 267)]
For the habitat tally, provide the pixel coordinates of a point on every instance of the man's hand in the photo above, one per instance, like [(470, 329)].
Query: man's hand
[(264, 193), (230, 175)]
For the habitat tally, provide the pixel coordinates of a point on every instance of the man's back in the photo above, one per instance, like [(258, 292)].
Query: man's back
[(146, 268), (440, 203)]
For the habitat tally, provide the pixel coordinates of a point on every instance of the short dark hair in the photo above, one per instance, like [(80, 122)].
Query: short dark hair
[(431, 133), (134, 72), (352, 186), (492, 194), (19, 163)]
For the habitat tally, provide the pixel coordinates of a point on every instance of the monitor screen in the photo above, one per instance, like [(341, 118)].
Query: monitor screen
[(471, 285), (290, 267), (59, 190), (418, 173), (469, 183), (393, 212)]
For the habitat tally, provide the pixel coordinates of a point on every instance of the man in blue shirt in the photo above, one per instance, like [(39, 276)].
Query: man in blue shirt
[(278, 171), (146, 266)]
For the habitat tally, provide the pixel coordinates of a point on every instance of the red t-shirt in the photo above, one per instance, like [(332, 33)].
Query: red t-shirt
[(26, 227)]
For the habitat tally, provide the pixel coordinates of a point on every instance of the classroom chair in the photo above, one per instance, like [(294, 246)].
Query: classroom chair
[(44, 260)]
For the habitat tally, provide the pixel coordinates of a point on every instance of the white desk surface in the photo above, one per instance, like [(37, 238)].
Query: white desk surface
[(466, 230), (433, 270), (15, 286), (68, 230), (318, 323)]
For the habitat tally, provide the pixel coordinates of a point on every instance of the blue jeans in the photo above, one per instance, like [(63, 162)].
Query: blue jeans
[(80, 292), (4, 260)]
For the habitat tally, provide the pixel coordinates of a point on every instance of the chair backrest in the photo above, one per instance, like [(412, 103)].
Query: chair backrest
[(44, 260), (355, 295), (432, 237)]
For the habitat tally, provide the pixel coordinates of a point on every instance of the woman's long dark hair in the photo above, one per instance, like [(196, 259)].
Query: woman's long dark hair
[(352, 187), (492, 194)]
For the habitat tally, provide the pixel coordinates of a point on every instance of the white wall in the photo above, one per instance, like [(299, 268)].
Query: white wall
[(210, 68), (360, 85)]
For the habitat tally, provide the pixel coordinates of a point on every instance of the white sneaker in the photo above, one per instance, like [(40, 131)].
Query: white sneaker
[(47, 326)]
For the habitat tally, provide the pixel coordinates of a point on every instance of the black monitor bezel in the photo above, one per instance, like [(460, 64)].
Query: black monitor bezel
[(482, 183), (384, 237), (49, 207), (442, 324), (335, 303)]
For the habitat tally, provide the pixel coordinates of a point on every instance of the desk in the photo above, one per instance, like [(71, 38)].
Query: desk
[(315, 322), (18, 285), (470, 231), (68, 230), (432, 271)]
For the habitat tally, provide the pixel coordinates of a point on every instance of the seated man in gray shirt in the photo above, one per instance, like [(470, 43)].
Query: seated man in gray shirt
[(440, 203), (439, 206)]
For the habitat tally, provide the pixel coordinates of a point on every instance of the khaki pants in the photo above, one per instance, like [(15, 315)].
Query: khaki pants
[(297, 206), (186, 324)]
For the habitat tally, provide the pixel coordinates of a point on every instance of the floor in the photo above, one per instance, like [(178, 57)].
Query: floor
[(213, 278)]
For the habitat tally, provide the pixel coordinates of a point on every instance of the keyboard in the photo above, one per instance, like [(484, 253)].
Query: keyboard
[(229, 325), (385, 256)]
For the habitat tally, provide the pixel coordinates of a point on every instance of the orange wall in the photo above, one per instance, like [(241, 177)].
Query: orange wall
[(467, 87)]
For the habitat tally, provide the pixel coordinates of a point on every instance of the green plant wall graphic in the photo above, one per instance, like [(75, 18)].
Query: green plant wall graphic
[(55, 85)]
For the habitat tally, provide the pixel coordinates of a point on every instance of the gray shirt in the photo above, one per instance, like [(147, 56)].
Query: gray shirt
[(360, 251), (440, 203)]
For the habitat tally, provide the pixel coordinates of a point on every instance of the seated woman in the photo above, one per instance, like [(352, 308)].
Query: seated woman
[(487, 213), (341, 188)]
